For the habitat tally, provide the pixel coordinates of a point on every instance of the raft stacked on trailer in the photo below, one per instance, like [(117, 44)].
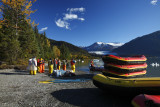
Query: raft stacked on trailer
[(124, 60), (124, 66)]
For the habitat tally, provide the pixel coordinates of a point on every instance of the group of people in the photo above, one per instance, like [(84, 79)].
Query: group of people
[(55, 64), (35, 65)]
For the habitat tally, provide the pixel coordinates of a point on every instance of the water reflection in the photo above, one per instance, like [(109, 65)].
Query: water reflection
[(84, 66), (153, 69)]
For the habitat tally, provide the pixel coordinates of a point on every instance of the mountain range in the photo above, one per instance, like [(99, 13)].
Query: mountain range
[(148, 45), (101, 46)]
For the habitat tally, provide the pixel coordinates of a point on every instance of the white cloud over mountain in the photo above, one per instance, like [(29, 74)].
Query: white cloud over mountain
[(69, 16)]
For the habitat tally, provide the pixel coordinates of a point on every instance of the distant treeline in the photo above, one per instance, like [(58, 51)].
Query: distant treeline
[(20, 39)]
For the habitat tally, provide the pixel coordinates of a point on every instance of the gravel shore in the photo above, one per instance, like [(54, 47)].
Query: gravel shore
[(19, 89)]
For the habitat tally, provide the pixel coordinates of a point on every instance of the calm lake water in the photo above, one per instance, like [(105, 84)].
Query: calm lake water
[(153, 69)]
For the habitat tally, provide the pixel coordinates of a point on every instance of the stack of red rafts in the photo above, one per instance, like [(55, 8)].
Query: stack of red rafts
[(116, 66)]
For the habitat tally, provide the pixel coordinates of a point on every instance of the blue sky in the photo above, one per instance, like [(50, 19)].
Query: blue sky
[(83, 22)]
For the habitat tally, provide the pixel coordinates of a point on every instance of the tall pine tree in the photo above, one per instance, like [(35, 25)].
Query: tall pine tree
[(65, 54)]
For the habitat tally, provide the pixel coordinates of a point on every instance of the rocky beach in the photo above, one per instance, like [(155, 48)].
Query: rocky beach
[(19, 89)]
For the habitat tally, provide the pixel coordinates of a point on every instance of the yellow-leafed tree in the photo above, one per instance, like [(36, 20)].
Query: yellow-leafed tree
[(56, 51), (48, 43), (19, 8)]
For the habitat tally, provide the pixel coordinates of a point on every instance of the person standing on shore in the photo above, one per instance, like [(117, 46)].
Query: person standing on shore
[(73, 67), (58, 64), (64, 65), (34, 66), (38, 65), (50, 66), (55, 64), (92, 63), (29, 66), (43, 65)]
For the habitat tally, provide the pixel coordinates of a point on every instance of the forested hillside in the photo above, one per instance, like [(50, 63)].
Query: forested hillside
[(72, 48)]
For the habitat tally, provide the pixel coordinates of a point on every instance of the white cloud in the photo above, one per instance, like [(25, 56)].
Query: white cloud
[(43, 29), (82, 19), (72, 17), (154, 2), (69, 16), (76, 9), (62, 23)]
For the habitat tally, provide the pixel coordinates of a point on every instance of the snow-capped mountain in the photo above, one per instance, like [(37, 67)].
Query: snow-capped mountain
[(101, 46)]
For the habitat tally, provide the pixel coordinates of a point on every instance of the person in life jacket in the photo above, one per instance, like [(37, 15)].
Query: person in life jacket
[(50, 66), (92, 63), (58, 64), (34, 66), (38, 65), (55, 64), (73, 67), (30, 65), (64, 65), (41, 65)]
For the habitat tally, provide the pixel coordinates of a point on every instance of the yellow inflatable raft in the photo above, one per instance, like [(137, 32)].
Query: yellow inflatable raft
[(132, 85)]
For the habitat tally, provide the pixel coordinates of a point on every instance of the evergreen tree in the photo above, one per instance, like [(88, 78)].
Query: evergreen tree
[(17, 34), (3, 45), (28, 42), (11, 48), (65, 54)]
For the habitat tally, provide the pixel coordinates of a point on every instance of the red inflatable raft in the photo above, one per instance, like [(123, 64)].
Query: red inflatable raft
[(125, 68), (144, 100), (124, 60), (123, 75)]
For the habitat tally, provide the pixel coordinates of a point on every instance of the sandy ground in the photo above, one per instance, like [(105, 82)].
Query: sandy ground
[(19, 89)]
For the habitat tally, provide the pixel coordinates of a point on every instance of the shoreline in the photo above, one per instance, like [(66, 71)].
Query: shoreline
[(18, 88)]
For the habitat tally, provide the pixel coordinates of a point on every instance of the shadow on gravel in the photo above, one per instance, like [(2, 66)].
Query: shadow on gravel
[(16, 72), (92, 97), (22, 71)]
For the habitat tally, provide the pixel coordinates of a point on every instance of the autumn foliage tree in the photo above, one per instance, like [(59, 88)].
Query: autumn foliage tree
[(21, 11), (56, 52)]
